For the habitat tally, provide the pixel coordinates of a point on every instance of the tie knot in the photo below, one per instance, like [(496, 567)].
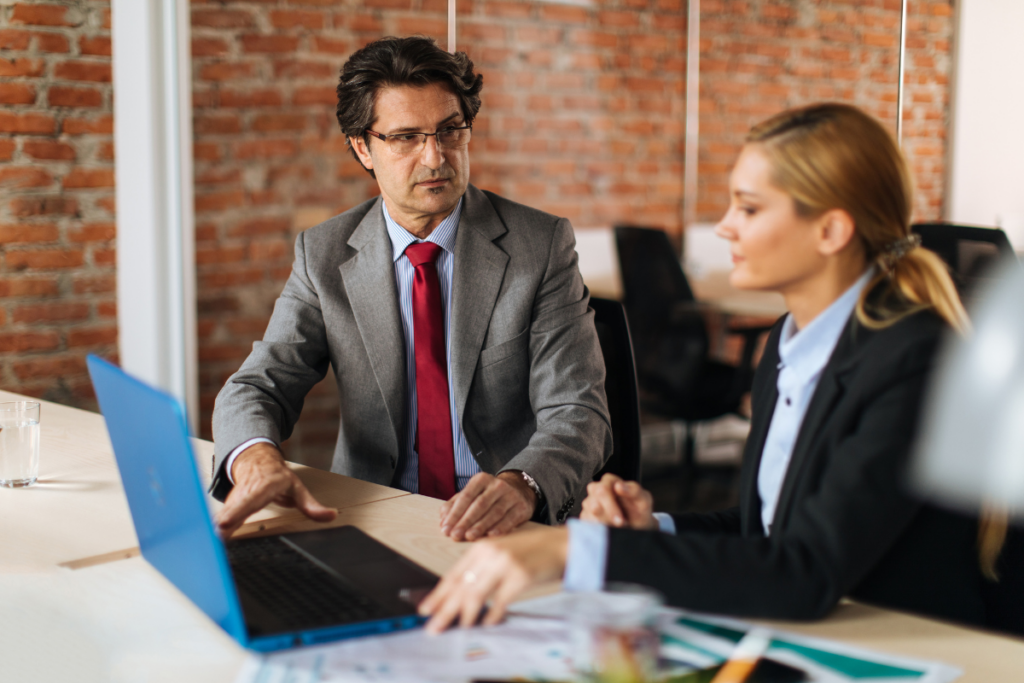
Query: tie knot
[(423, 252)]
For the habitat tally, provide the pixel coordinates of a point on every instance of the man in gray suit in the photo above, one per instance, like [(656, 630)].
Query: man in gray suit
[(465, 355)]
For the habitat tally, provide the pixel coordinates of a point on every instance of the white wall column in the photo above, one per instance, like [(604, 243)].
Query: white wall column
[(156, 293), (985, 165)]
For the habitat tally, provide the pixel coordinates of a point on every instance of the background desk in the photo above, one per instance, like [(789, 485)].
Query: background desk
[(120, 620)]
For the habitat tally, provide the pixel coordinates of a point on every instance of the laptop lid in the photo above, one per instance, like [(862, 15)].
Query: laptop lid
[(149, 434)]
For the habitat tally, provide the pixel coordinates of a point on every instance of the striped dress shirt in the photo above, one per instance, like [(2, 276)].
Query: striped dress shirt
[(444, 237)]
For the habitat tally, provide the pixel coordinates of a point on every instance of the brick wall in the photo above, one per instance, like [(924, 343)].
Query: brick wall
[(57, 299), (582, 116), (760, 57)]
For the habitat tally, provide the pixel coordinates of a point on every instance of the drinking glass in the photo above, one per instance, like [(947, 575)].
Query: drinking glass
[(19, 443), (613, 634)]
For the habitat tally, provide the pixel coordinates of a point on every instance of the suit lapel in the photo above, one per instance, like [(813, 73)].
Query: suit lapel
[(764, 396), (369, 279), (831, 389), (479, 269)]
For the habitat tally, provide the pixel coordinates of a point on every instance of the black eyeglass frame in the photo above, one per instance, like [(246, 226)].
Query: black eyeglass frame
[(382, 136)]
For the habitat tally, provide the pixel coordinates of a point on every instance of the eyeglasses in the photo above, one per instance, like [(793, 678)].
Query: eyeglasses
[(408, 143)]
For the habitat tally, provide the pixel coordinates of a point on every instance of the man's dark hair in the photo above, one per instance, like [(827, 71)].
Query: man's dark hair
[(390, 62)]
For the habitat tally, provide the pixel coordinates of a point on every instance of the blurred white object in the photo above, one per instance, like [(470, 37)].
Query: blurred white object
[(972, 444), (704, 252), (599, 262)]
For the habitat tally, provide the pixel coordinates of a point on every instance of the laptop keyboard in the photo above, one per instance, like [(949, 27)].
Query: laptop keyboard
[(296, 590)]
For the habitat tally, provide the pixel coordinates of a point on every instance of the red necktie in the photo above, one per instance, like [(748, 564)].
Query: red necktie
[(434, 421)]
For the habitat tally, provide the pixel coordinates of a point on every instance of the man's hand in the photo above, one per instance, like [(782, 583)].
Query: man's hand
[(498, 570), (488, 506), (618, 503), (262, 477)]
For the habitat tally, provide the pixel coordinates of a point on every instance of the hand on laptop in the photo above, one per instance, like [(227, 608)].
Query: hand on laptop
[(488, 506), (262, 477), (614, 502)]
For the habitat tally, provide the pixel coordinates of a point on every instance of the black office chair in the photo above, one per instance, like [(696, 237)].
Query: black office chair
[(677, 377), (620, 385), (970, 252)]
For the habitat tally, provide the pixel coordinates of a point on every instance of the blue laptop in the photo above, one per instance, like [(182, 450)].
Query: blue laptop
[(268, 593)]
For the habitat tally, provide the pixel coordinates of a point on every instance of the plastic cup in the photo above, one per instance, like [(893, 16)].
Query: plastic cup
[(19, 443), (613, 634)]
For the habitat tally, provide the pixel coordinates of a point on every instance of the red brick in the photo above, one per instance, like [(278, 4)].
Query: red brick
[(222, 278), (332, 46), (43, 206), (14, 40), (226, 71), (276, 44), (21, 67), (387, 4), (45, 259), (269, 250), (620, 19), (49, 313), (304, 69), (219, 254), (565, 13), (314, 95), (253, 149), (207, 151), (297, 19), (94, 45), (24, 176), (279, 122), (28, 232), (26, 287), (44, 15), (103, 124), (106, 309), (89, 177), (17, 93), (104, 257), (408, 26), (362, 23), (28, 341), (79, 70), (52, 42), (99, 284), (264, 97), (61, 96), (209, 47), (7, 147), (509, 10), (261, 226), (218, 201), (93, 232), (218, 176), (222, 19), (48, 366), (96, 336), (214, 124), (105, 151)]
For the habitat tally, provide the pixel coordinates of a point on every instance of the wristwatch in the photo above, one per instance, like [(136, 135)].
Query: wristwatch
[(532, 483)]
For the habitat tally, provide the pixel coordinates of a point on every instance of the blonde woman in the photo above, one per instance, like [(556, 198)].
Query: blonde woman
[(820, 210)]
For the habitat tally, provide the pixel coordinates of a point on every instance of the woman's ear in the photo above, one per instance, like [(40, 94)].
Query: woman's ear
[(836, 230)]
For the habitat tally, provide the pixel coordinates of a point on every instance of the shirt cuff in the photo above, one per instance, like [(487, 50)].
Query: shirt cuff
[(235, 453), (587, 557), (666, 524)]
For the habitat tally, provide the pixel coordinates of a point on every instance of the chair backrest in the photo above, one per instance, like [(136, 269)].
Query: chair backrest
[(620, 385), (652, 277), (970, 252)]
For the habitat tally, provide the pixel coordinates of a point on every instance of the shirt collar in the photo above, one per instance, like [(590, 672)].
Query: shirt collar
[(443, 235), (807, 351)]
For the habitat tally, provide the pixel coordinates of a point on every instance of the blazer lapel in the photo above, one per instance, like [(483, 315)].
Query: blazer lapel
[(477, 276), (830, 390), (369, 279), (765, 395)]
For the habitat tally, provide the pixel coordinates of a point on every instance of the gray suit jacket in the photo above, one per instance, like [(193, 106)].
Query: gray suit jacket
[(527, 368)]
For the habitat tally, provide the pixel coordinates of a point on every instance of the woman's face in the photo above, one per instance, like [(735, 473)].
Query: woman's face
[(772, 247)]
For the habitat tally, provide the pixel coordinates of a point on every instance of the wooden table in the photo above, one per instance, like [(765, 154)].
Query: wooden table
[(114, 619)]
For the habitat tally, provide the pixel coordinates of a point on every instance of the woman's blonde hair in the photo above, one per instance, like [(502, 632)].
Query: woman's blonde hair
[(835, 156)]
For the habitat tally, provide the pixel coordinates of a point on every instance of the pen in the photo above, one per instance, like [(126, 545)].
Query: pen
[(744, 658)]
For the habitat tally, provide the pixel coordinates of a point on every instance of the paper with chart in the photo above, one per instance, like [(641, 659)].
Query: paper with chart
[(536, 648)]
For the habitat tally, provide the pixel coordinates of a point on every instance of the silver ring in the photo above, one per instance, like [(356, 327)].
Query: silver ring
[(468, 577)]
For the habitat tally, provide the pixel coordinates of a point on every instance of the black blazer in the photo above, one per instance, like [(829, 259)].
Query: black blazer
[(845, 524)]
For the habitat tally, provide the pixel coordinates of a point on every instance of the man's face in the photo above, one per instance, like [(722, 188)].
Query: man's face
[(421, 187)]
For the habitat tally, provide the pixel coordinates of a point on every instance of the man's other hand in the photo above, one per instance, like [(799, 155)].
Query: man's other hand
[(262, 477), (488, 506)]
